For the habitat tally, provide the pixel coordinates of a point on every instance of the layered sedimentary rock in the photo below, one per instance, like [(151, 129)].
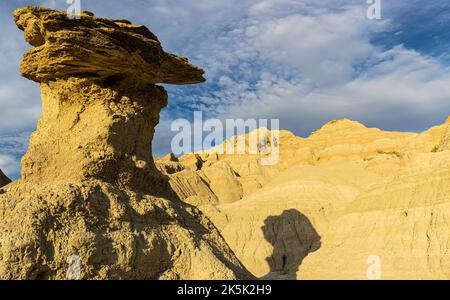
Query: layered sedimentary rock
[(3, 179), (347, 202), (96, 48), (91, 204)]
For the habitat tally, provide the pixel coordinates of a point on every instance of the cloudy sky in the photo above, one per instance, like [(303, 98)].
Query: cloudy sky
[(302, 61)]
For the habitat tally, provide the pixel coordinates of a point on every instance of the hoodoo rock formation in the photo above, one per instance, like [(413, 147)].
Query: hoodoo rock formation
[(90, 193)]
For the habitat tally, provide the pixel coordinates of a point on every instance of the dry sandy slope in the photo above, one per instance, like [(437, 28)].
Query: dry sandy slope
[(343, 194), (3, 179)]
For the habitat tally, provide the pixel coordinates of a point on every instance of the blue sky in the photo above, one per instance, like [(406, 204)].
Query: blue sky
[(304, 62)]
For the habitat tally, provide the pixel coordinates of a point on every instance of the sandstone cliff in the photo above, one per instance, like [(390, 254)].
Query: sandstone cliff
[(90, 193), (344, 194)]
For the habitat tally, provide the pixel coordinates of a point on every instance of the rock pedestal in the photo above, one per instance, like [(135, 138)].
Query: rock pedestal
[(91, 204), (96, 130)]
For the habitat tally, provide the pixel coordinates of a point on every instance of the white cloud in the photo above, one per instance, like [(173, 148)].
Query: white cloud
[(304, 62), (20, 106), (11, 149), (308, 68), (9, 164), (403, 91), (19, 98), (323, 49)]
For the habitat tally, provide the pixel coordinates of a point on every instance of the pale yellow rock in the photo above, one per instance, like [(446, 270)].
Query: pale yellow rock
[(341, 201), (192, 188), (168, 158), (90, 192), (191, 161), (404, 222), (223, 182)]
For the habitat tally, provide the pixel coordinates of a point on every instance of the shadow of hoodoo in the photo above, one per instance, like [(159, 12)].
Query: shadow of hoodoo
[(293, 237)]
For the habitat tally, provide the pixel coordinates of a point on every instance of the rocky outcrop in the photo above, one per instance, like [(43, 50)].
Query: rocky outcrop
[(96, 48), (338, 199), (3, 179), (90, 193)]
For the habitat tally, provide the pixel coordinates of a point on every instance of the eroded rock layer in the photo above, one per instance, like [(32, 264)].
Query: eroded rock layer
[(96, 48), (348, 202), (91, 203)]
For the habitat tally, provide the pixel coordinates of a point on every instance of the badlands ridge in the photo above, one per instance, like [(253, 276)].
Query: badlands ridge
[(336, 200), (90, 191)]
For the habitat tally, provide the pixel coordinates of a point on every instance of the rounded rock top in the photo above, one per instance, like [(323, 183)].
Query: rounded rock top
[(97, 48)]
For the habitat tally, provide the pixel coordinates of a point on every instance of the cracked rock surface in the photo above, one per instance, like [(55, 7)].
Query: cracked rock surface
[(90, 192)]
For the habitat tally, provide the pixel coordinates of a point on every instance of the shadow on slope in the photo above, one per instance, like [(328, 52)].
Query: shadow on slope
[(293, 237)]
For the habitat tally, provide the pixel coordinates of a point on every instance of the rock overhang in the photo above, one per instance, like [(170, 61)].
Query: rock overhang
[(89, 47)]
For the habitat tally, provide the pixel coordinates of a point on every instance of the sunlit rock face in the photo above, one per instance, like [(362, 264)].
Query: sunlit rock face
[(347, 202), (96, 48), (91, 203)]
